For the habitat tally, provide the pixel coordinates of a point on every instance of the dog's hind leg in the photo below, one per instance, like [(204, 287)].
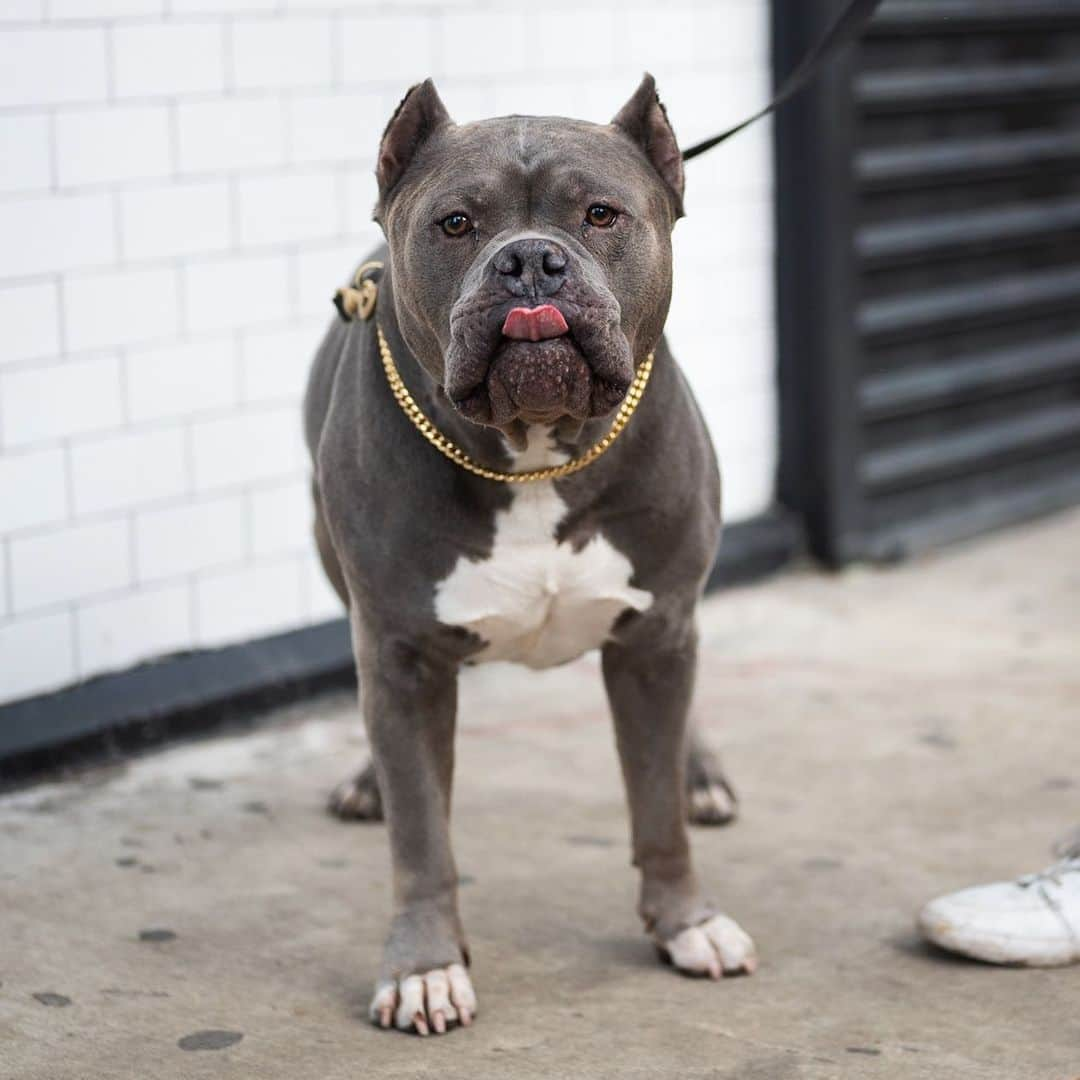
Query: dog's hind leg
[(358, 798), (710, 798)]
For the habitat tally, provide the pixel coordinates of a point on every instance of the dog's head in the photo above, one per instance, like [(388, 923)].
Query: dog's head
[(531, 256)]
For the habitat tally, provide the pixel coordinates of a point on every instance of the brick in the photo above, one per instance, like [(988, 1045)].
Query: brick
[(174, 58), (60, 400), (742, 422), (337, 126), (601, 98), (49, 66), (25, 154), (748, 485), (30, 317), (320, 601), (286, 209), (723, 227), (581, 53), (666, 50), (282, 53), (120, 307), (117, 633), (129, 142), (245, 448), (387, 48), (281, 519), (185, 539), (180, 380), (38, 654), (251, 602), (33, 489), (483, 43), (744, 168), (737, 360), (241, 134), (22, 11), (539, 97), (732, 33), (181, 219), (238, 291), (128, 470), (728, 298), (47, 235), (466, 103), (736, 93), (360, 194), (103, 9), (220, 7), (331, 5), (69, 564), (320, 271), (274, 363)]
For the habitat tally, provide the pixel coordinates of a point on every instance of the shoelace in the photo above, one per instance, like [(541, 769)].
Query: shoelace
[(1054, 872), (1069, 863), (1068, 847), (1067, 851)]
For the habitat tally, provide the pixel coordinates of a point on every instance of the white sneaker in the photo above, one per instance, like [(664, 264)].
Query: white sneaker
[(1034, 921)]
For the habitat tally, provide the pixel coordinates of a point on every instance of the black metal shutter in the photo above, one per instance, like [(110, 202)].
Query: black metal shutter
[(929, 273)]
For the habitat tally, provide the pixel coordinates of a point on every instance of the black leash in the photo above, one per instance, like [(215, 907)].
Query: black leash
[(845, 29)]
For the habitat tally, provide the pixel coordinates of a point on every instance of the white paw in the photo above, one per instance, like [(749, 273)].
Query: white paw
[(426, 1003), (719, 946)]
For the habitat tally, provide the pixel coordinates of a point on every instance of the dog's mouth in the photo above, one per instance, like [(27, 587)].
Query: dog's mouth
[(535, 324), (541, 366)]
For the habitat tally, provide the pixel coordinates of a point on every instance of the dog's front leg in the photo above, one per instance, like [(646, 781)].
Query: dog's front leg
[(649, 675), (409, 702)]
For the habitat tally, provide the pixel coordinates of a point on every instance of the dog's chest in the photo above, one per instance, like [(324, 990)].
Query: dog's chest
[(533, 600)]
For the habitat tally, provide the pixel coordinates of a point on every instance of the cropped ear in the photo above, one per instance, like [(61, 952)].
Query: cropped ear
[(645, 120), (420, 114)]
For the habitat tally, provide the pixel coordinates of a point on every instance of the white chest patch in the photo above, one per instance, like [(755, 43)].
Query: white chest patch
[(533, 600)]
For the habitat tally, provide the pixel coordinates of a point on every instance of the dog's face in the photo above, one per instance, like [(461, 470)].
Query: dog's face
[(531, 256)]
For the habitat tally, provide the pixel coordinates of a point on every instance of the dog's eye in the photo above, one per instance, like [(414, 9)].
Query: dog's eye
[(456, 224), (603, 217)]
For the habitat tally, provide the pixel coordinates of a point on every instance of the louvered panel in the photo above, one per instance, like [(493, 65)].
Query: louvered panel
[(965, 159), (954, 382), (993, 301), (966, 86), (1002, 228), (944, 18)]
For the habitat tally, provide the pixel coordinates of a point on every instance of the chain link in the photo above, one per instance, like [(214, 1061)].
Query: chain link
[(459, 457)]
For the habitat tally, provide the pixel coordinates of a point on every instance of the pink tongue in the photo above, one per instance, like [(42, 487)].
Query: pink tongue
[(535, 324)]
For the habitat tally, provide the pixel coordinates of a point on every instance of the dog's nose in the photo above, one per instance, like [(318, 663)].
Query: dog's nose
[(531, 267)]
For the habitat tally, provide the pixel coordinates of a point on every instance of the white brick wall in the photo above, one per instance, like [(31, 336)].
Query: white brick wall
[(160, 158)]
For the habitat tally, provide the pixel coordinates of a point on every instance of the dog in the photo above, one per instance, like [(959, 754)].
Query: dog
[(517, 327)]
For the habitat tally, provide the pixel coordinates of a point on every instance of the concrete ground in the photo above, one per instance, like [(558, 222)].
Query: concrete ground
[(894, 733)]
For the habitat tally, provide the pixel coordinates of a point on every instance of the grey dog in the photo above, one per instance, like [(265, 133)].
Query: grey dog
[(526, 281)]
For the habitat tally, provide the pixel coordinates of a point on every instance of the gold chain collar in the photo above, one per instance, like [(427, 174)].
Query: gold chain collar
[(360, 299)]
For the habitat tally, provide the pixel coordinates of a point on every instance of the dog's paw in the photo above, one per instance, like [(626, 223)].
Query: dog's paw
[(717, 947), (425, 1003), (711, 802), (357, 799)]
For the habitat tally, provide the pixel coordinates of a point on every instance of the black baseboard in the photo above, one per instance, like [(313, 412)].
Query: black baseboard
[(177, 697), (190, 694)]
